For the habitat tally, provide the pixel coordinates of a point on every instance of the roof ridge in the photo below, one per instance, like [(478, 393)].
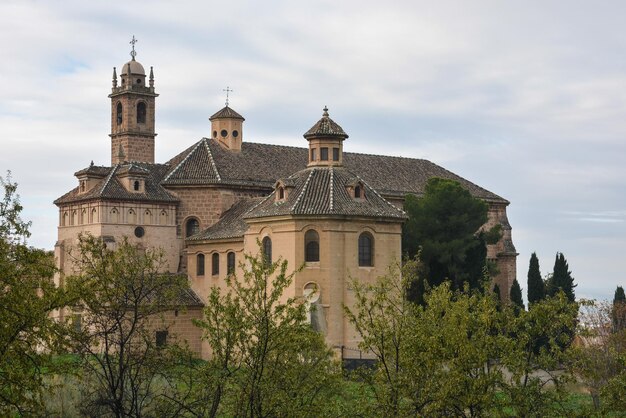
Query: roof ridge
[(331, 196), (257, 205), (206, 144), (183, 160), (106, 182), (377, 194), (306, 183)]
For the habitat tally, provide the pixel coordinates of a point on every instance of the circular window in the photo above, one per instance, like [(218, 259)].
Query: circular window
[(235, 134), (139, 232), (139, 81), (224, 133), (214, 134)]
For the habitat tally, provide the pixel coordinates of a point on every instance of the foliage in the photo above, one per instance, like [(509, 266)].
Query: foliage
[(537, 347), (561, 279), (619, 310), (266, 359), (28, 297), (598, 359), (536, 287), (460, 354), (516, 296), (123, 293), (445, 226)]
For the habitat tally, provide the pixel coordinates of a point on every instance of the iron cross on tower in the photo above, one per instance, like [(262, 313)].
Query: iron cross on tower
[(227, 90), (133, 53)]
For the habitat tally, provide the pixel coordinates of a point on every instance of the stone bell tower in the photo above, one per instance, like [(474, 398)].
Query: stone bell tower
[(132, 113)]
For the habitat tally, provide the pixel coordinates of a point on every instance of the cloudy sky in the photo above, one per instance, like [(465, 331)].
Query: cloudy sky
[(526, 98)]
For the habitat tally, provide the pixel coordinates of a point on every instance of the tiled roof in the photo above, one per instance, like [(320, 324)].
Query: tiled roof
[(326, 127), (261, 165), (226, 112), (231, 224), (93, 171), (257, 165), (109, 188), (324, 191)]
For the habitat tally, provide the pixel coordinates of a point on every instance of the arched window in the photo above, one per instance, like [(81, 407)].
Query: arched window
[(200, 265), (215, 264), (163, 218), (141, 112), (65, 217), (147, 217), (366, 250), (132, 217), (281, 193), (192, 227), (119, 114), (94, 216), (311, 246), (357, 192), (267, 250), (114, 216), (136, 185), (230, 262)]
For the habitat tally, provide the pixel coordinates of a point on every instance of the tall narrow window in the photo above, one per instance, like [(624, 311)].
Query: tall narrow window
[(200, 265), (281, 193), (192, 227), (267, 250), (311, 246), (141, 112), (313, 156), (335, 154), (119, 113), (324, 154), (230, 262), (357, 192), (366, 247), (161, 338), (136, 185), (215, 264)]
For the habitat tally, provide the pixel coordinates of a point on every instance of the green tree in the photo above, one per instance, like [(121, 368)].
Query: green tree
[(618, 313), (432, 360), (123, 295), (446, 225), (562, 279), (268, 359), (516, 296), (537, 347), (28, 297), (536, 288)]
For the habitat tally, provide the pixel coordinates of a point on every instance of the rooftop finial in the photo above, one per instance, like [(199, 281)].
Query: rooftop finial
[(325, 111), (133, 53), (151, 77), (227, 90), (114, 77)]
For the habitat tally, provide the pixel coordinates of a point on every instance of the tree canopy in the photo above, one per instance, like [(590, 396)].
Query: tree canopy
[(444, 226), (562, 279), (536, 287), (28, 296)]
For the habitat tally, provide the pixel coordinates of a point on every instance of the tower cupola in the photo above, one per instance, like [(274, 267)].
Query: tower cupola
[(325, 142), (227, 127), (132, 113)]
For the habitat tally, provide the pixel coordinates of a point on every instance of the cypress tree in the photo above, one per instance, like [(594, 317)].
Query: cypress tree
[(562, 279), (618, 316), (516, 296), (536, 288)]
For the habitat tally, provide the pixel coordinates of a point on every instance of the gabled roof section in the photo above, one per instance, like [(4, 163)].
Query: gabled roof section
[(197, 167), (326, 127), (324, 191), (231, 224), (109, 188), (256, 165), (226, 112), (261, 165), (93, 171)]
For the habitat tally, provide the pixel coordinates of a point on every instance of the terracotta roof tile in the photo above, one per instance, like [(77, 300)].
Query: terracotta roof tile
[(231, 224), (226, 112)]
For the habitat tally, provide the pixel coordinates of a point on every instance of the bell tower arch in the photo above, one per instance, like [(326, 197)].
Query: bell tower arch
[(132, 113)]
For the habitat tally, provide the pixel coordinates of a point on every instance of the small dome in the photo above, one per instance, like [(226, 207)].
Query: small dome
[(135, 68), (326, 127)]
